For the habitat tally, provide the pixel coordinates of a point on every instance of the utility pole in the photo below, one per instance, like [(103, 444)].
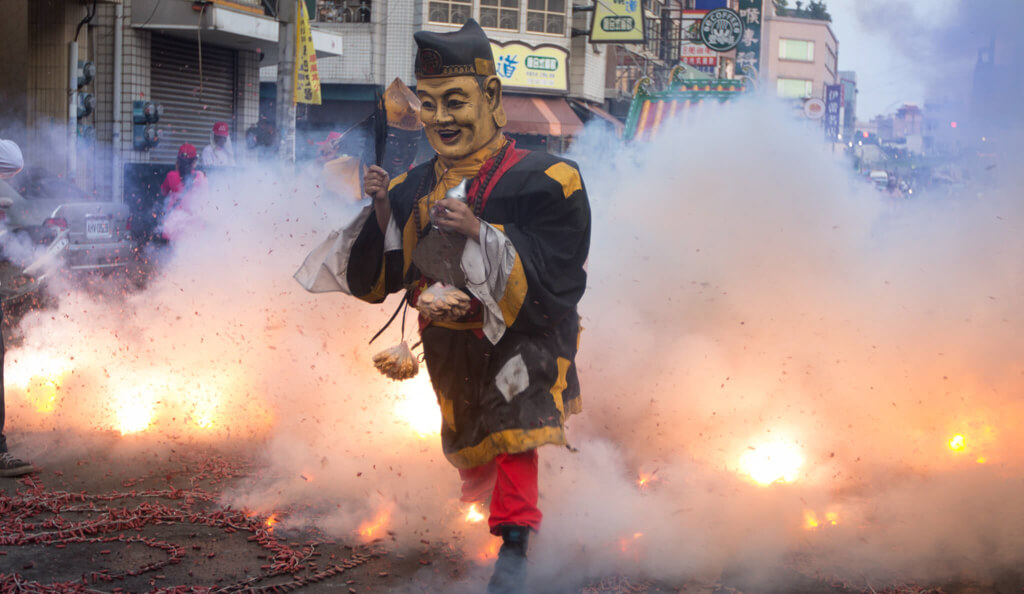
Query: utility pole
[(287, 14)]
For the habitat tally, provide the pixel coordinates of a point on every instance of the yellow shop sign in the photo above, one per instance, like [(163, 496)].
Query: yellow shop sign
[(541, 68), (617, 21)]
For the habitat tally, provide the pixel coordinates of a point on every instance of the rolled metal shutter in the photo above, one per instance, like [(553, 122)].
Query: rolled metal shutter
[(190, 108)]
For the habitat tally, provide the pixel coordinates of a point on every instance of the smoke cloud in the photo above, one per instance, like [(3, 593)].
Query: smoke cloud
[(750, 304)]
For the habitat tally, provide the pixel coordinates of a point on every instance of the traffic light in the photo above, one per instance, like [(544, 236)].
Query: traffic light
[(145, 115), (86, 100)]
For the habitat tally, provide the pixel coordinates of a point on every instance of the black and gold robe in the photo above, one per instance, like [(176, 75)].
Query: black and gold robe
[(505, 374)]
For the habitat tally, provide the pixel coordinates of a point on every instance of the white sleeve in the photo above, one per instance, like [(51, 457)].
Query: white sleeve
[(488, 265), (11, 160), (207, 156)]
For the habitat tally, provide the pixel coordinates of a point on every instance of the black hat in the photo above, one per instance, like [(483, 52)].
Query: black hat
[(466, 52)]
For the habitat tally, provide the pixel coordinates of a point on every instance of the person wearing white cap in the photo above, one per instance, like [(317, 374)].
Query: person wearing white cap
[(11, 163), (219, 153)]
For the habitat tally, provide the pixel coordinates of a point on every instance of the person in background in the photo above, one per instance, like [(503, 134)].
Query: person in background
[(11, 163), (179, 189), (219, 153), (343, 175), (328, 149)]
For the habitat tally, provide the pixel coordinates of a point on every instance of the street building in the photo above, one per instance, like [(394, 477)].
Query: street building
[(149, 76), (546, 71)]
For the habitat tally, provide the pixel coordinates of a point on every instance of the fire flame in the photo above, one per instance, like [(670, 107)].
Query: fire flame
[(490, 552), (134, 413), (473, 514), (372, 529), (42, 393), (772, 463), (418, 406), (957, 443), (270, 522), (811, 519), (646, 479)]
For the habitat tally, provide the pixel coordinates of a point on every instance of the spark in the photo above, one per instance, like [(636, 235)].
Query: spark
[(473, 514), (772, 463), (958, 443), (371, 529), (418, 406)]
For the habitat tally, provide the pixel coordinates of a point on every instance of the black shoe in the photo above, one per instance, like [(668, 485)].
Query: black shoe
[(510, 569), (11, 466)]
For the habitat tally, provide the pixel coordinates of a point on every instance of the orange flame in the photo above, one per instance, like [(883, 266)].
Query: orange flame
[(418, 406), (372, 529), (473, 514), (771, 463), (811, 520), (958, 443), (270, 522), (646, 479), (489, 552)]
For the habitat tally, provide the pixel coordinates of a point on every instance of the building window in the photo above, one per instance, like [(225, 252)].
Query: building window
[(546, 16), (455, 12), (794, 49), (792, 88), (500, 14), (343, 11)]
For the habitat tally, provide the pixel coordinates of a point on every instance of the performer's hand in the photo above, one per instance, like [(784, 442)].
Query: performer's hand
[(376, 182), (455, 215)]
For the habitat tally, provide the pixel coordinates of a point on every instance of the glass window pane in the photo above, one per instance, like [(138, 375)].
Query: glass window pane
[(488, 17), (535, 21), (488, 2), (461, 13), (510, 3), (536, 4), (510, 20), (556, 24), (439, 12), (556, 6)]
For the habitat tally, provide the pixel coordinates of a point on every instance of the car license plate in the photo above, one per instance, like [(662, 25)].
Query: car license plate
[(97, 228)]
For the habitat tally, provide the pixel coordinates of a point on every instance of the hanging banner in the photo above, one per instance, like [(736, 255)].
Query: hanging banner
[(617, 21), (692, 50), (541, 68), (307, 78), (833, 98), (748, 52)]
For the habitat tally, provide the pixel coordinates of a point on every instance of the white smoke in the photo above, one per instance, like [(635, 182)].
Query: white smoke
[(746, 291)]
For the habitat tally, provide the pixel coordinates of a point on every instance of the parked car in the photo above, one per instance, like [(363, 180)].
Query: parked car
[(49, 225)]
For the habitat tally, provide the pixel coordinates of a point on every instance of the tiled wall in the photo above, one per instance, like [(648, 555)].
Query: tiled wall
[(51, 26)]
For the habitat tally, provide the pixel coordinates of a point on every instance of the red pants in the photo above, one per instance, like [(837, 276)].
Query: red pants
[(511, 482)]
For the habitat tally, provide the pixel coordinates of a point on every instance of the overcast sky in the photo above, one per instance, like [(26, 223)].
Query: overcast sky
[(884, 42)]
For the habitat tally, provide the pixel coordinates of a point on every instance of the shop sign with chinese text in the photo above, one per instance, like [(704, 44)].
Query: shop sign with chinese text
[(617, 21), (833, 98), (307, 78), (692, 50), (748, 52), (541, 68)]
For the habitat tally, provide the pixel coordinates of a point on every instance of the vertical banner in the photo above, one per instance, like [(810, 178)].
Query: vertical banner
[(307, 78), (833, 99), (748, 52)]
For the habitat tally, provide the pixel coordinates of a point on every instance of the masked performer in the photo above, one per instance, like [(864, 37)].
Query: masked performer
[(496, 237), (343, 175)]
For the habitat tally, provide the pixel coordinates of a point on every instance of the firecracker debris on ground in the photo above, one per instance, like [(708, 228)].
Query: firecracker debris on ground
[(153, 521)]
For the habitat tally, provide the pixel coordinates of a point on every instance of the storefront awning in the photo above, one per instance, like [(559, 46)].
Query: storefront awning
[(598, 112), (222, 26), (545, 116)]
